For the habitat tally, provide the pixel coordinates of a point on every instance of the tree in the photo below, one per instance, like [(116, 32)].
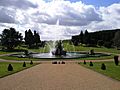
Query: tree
[(81, 37), (10, 38), (100, 43), (29, 38), (32, 39), (116, 39), (36, 38), (86, 37), (108, 44)]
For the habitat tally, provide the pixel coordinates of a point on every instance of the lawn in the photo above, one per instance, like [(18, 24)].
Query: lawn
[(16, 68), (69, 47), (112, 70)]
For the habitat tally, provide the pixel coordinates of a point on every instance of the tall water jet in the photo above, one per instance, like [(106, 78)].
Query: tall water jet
[(57, 47)]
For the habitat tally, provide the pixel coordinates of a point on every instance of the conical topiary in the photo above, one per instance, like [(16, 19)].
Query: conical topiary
[(116, 60), (91, 64), (31, 62), (84, 62), (10, 67), (24, 64), (103, 67)]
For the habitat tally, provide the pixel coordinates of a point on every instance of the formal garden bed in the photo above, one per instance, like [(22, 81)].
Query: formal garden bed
[(110, 69), (6, 69)]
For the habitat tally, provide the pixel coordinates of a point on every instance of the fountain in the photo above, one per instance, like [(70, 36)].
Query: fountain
[(57, 51)]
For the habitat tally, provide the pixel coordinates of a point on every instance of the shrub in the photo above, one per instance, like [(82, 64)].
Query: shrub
[(92, 52), (24, 64), (116, 60), (10, 67), (84, 62), (91, 64), (26, 52), (63, 62), (55, 62), (103, 67), (31, 62)]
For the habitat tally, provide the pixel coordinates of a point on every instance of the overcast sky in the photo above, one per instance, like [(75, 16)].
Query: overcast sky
[(72, 15)]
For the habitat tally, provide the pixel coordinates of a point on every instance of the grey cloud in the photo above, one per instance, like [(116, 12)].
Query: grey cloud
[(7, 16), (21, 4)]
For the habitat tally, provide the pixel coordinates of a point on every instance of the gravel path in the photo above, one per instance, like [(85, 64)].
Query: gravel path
[(69, 76)]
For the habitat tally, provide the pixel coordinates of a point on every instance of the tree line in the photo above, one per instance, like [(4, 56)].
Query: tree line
[(107, 38), (10, 38)]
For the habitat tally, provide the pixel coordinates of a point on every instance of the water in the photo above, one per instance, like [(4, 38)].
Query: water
[(68, 55)]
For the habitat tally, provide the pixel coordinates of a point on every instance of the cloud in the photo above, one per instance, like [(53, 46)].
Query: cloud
[(7, 16), (21, 4), (110, 16), (75, 14), (42, 16)]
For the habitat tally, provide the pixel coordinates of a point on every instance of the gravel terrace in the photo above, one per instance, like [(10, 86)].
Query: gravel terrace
[(49, 76)]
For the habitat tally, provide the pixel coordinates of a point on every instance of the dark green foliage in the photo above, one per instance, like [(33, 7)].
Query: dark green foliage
[(36, 38), (10, 67), (75, 40), (31, 62), (24, 64), (101, 38), (91, 64), (10, 38), (108, 44), (84, 62), (116, 39), (100, 43), (116, 60), (103, 67), (92, 52), (26, 52), (81, 37), (32, 40), (29, 38)]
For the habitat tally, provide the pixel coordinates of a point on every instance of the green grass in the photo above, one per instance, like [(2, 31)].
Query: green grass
[(16, 68), (17, 58), (4, 52), (69, 47), (112, 70)]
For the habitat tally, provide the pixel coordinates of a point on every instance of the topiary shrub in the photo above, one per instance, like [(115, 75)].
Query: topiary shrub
[(92, 52), (63, 62), (24, 64), (116, 60), (55, 62), (10, 67), (31, 62), (26, 52), (103, 67), (91, 64), (84, 62)]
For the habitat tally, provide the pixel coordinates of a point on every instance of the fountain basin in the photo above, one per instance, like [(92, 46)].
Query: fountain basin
[(68, 55)]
